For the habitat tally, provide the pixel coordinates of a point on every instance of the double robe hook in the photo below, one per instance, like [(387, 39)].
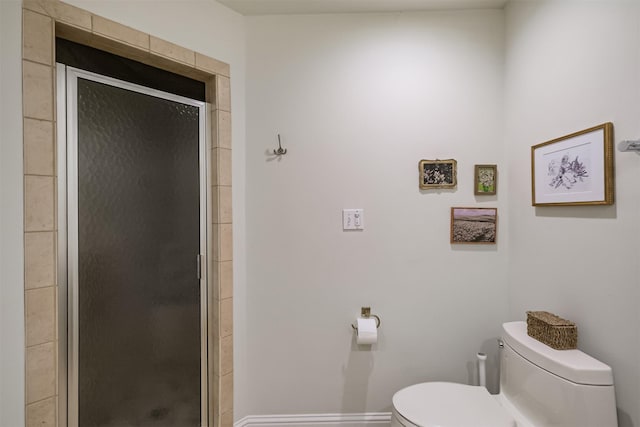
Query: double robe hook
[(280, 151)]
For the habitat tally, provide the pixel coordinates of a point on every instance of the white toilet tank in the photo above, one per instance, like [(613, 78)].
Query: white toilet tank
[(541, 386)]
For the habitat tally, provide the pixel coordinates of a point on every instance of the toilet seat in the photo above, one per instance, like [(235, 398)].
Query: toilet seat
[(442, 404)]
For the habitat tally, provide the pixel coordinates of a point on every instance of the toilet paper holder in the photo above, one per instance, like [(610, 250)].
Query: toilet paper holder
[(365, 312)]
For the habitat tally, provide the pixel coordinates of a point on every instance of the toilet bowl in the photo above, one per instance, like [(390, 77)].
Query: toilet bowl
[(448, 404), (539, 387)]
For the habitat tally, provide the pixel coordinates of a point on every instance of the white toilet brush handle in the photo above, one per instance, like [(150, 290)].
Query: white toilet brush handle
[(482, 373)]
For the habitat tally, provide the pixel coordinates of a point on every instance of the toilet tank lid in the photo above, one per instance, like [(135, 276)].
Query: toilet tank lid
[(572, 365)]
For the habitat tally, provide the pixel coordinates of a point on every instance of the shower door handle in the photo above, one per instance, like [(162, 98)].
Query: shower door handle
[(199, 266)]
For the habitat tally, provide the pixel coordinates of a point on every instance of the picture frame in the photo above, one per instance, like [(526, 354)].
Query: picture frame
[(574, 170), (474, 225), (438, 174), (485, 181)]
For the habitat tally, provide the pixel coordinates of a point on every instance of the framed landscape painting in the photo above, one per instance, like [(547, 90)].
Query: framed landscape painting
[(575, 169), (474, 225)]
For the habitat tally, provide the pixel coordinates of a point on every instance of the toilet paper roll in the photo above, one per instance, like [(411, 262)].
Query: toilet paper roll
[(367, 331)]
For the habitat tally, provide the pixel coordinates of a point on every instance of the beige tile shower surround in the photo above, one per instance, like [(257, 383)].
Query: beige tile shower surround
[(43, 20)]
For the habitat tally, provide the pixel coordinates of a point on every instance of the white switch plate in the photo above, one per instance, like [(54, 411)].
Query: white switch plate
[(352, 219)]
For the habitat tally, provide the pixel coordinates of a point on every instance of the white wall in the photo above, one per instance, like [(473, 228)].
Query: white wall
[(359, 100), (11, 240), (571, 65)]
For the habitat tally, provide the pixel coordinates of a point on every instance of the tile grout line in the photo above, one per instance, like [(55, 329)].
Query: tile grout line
[(42, 400), (40, 175)]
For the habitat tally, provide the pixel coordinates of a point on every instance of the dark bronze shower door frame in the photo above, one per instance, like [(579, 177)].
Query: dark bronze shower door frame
[(68, 241)]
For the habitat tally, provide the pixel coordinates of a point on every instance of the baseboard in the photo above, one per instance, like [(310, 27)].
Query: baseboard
[(368, 419)]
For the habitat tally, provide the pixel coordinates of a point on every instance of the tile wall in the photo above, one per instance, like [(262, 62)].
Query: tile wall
[(43, 20)]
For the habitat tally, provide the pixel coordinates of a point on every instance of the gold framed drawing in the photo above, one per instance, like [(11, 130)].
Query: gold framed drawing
[(575, 169)]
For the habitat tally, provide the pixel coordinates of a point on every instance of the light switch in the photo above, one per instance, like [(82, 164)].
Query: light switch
[(352, 219)]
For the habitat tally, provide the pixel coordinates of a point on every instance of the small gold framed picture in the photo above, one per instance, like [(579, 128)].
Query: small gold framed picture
[(485, 180), (438, 174)]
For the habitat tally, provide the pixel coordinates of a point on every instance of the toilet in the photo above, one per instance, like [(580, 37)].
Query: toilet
[(539, 387)]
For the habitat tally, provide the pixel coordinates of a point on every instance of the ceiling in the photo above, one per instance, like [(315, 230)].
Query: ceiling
[(291, 7)]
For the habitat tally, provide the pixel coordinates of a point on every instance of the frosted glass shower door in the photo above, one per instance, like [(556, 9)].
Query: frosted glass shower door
[(136, 237)]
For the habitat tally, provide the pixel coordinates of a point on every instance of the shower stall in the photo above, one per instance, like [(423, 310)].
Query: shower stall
[(132, 233)]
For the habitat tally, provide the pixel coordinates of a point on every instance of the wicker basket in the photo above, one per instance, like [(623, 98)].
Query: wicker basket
[(552, 330)]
